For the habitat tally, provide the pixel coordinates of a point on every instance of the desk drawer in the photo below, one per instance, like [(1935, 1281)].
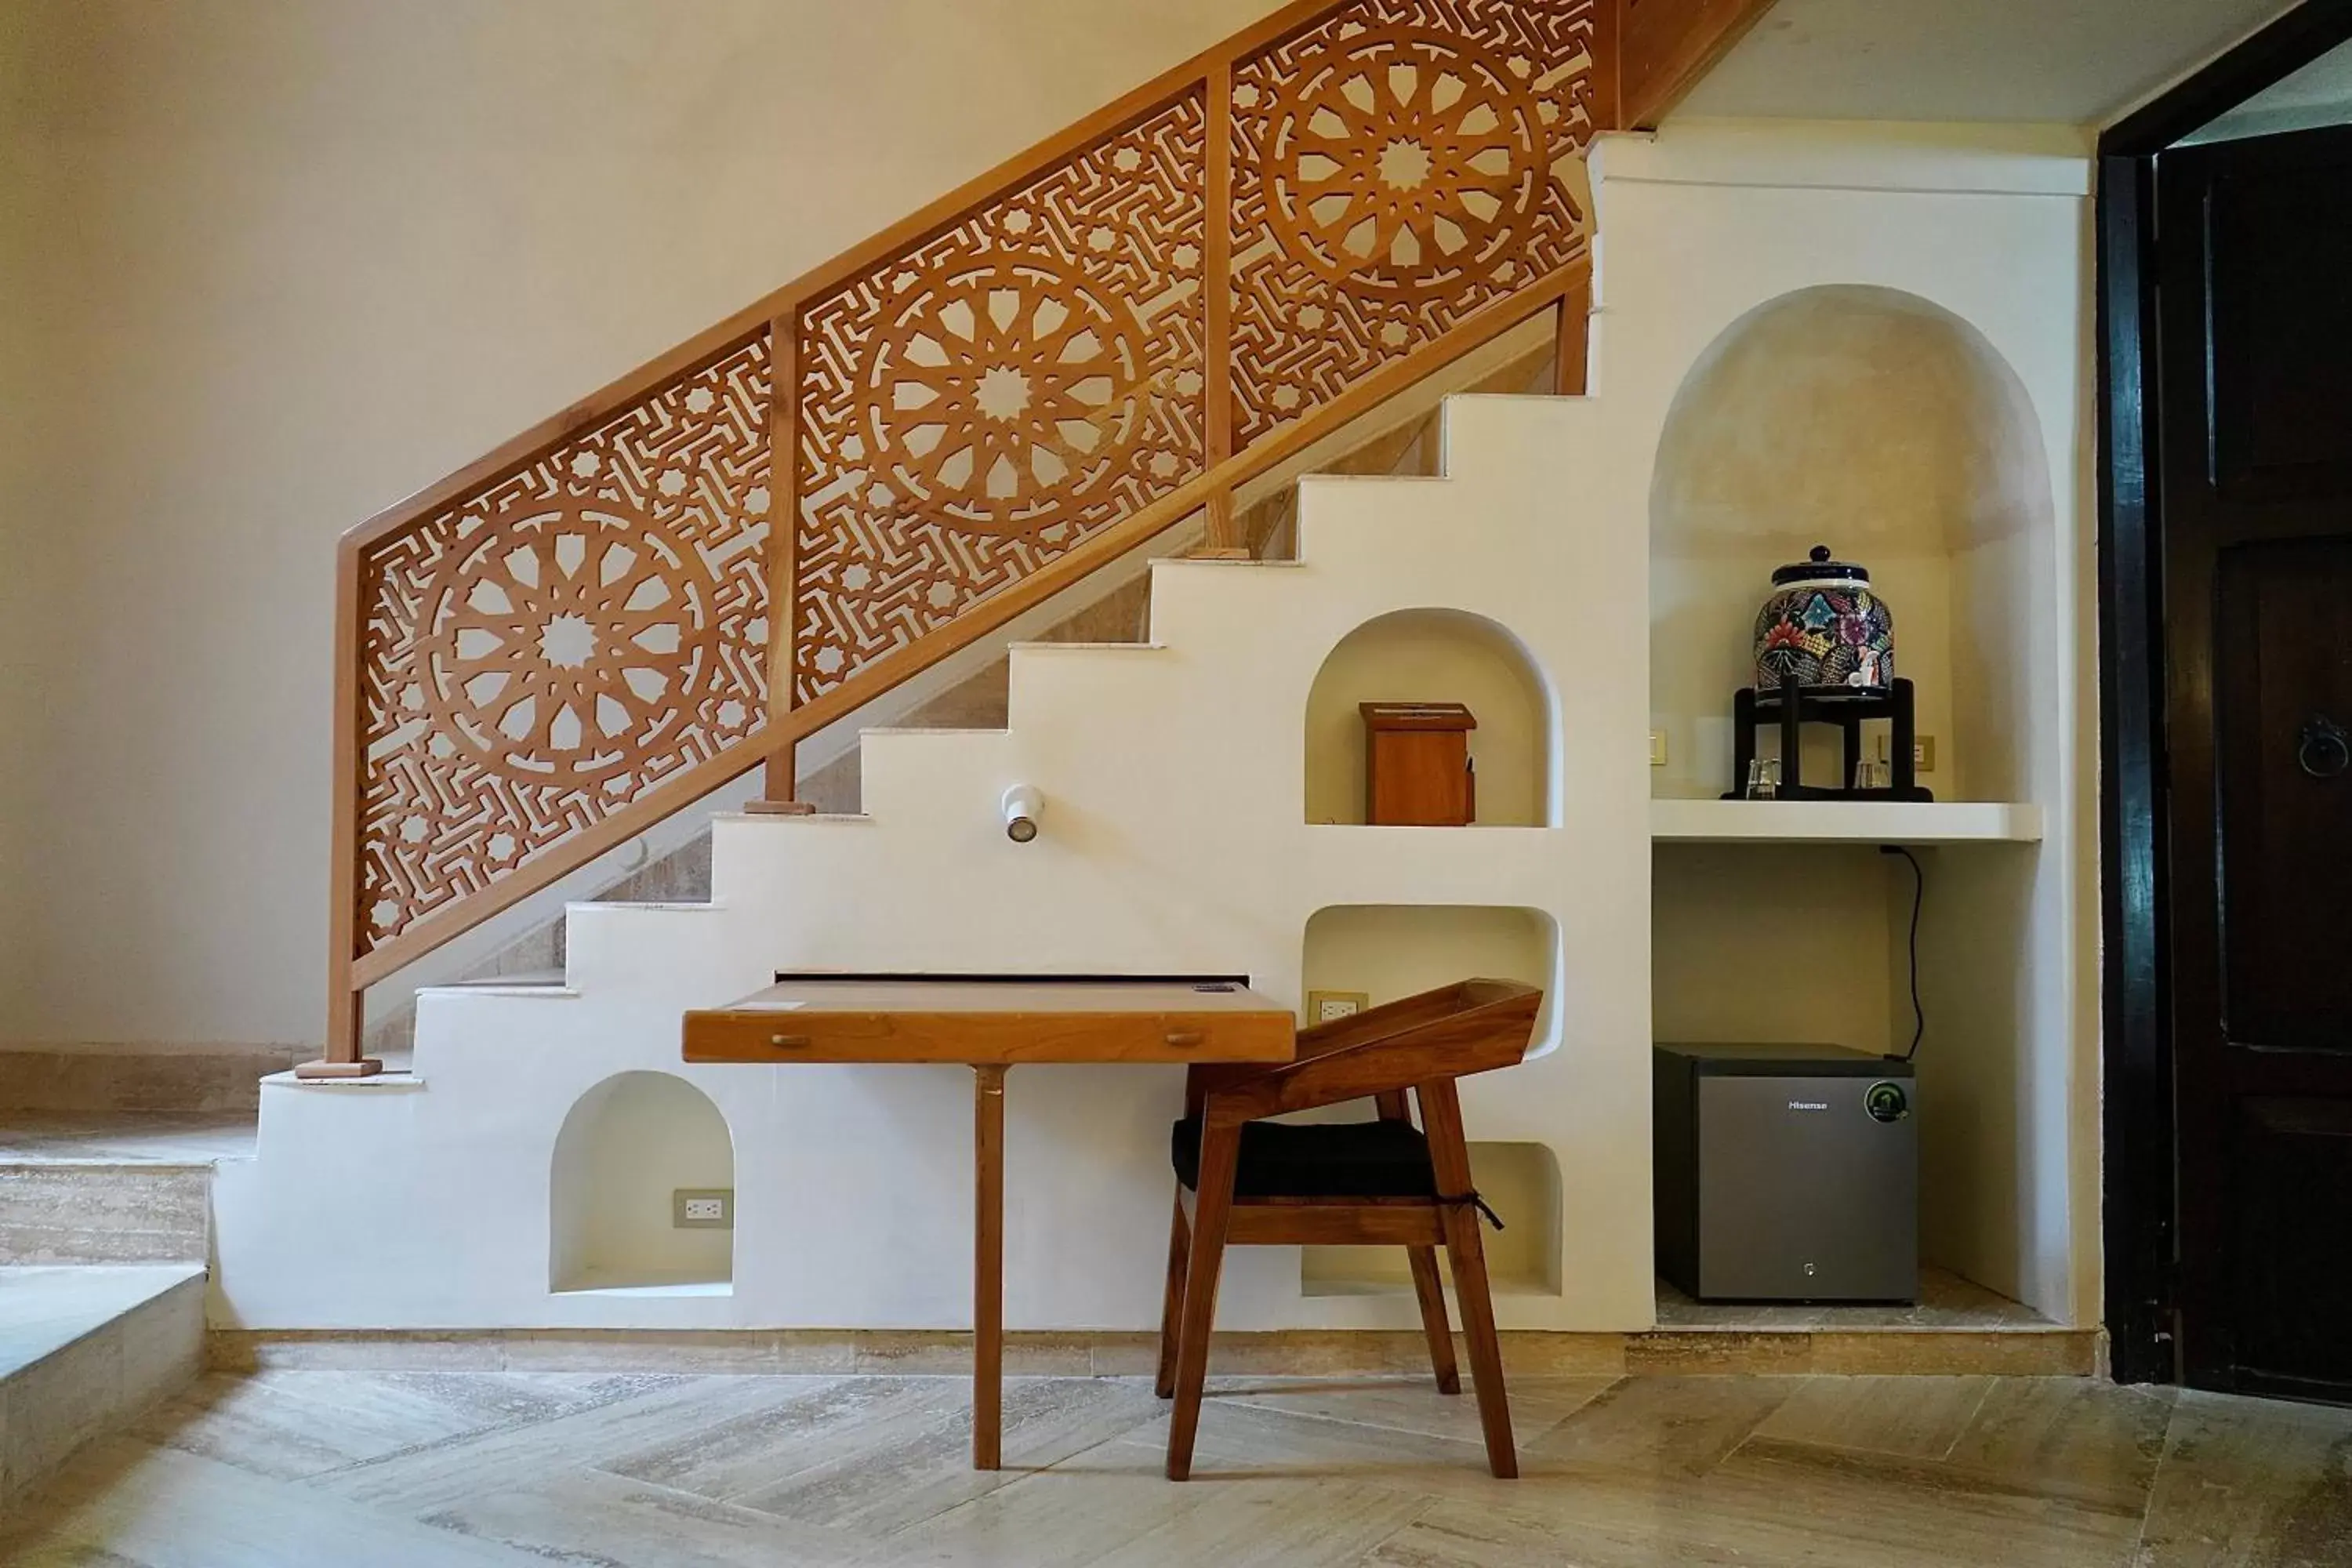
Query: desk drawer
[(807, 1035)]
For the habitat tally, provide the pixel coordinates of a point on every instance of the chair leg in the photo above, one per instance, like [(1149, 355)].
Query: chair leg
[(1221, 1153), (1478, 1327), (1171, 1307), (1426, 1286), (1449, 1154)]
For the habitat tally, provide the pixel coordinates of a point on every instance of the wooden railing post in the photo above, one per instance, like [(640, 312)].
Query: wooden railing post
[(781, 790), (346, 1016), (1575, 341), (1225, 540)]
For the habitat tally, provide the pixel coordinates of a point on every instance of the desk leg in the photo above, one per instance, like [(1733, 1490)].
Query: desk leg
[(988, 1267)]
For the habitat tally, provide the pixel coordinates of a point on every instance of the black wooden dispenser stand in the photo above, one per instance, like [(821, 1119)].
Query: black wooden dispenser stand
[(1793, 707)]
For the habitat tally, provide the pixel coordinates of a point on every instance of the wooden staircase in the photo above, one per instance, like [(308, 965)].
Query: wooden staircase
[(1149, 322), (1399, 439)]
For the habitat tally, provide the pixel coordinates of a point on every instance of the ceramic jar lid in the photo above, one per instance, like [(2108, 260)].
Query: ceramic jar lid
[(1819, 569)]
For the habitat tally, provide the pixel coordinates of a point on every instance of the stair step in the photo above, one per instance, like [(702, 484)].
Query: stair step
[(1280, 562), (891, 730), (104, 1214), (83, 1350), (522, 980), (186, 1138), (90, 1077), (119, 1187)]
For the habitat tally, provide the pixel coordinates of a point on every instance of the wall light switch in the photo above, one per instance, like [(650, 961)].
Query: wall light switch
[(1922, 752), (1657, 748), (702, 1208)]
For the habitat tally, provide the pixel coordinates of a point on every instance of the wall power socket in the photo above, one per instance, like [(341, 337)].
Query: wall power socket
[(702, 1208)]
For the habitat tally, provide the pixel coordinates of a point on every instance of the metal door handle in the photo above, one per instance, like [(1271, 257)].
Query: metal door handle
[(2325, 751), (789, 1042)]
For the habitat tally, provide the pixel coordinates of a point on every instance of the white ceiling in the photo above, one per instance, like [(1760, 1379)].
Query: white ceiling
[(2319, 94), (2080, 62)]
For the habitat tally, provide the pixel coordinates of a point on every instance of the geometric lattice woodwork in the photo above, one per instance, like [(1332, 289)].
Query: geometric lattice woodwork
[(539, 656), (536, 658), (972, 409), (1396, 166)]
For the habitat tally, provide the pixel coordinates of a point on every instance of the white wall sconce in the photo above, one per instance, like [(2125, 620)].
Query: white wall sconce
[(1022, 807)]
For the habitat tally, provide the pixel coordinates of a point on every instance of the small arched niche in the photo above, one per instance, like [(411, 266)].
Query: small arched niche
[(629, 1147), (1435, 655), (1384, 952), (1892, 430)]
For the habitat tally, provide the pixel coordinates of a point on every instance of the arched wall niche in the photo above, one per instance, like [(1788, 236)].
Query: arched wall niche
[(1894, 431), (1388, 952), (1883, 425), (1436, 656), (628, 1147)]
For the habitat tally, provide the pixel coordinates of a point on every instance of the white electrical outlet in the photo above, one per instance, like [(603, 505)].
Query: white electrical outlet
[(702, 1208), (1329, 1006), (1657, 748)]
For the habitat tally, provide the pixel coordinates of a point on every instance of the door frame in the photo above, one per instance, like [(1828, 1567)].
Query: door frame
[(2140, 1164)]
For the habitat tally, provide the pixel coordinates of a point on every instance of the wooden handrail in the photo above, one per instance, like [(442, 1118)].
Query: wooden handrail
[(558, 645), (827, 276), (1665, 45)]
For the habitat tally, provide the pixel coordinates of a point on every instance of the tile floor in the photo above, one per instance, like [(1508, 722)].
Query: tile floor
[(360, 1469)]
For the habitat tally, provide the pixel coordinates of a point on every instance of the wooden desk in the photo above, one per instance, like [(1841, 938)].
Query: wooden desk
[(991, 1023)]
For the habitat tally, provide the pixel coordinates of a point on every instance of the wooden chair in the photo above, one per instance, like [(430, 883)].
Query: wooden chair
[(1246, 1180)]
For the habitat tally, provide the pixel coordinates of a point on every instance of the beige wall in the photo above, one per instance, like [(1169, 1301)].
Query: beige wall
[(267, 266)]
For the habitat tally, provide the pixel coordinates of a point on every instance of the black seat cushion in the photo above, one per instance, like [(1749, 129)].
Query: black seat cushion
[(1325, 1160)]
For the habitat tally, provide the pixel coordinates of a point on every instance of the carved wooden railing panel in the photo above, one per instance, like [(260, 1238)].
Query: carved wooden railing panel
[(1395, 167), (972, 409), (548, 652), (541, 654)]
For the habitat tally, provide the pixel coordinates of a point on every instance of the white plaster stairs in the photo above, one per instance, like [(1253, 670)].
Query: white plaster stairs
[(1398, 439), (1175, 840)]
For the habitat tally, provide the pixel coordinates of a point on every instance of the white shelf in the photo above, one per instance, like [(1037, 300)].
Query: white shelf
[(1843, 822)]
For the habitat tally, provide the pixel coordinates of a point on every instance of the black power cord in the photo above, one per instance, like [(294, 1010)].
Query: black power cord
[(1918, 898)]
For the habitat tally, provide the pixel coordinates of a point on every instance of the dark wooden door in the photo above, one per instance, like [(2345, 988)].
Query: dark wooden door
[(2255, 284)]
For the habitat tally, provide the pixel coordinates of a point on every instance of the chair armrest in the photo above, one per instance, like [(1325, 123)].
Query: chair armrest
[(1372, 1025), (1387, 1019), (1478, 1037)]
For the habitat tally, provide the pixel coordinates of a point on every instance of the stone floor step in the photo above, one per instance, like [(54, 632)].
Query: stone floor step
[(83, 1350), (127, 1077), (114, 1187)]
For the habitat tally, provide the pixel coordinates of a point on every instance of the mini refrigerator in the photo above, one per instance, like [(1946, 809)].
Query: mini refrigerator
[(1786, 1173)]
